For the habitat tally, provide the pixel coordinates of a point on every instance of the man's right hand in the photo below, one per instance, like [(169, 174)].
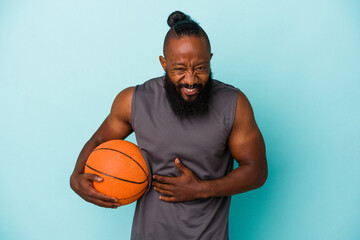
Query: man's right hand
[(83, 185), (116, 126)]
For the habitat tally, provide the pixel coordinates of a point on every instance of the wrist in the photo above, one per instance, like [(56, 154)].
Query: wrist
[(205, 189), (74, 179)]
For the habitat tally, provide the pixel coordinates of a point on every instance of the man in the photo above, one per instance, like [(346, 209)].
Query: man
[(189, 128)]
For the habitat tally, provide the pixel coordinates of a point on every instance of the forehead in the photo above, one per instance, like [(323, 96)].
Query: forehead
[(188, 47)]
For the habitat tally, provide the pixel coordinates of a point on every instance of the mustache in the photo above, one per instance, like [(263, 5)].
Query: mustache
[(196, 85)]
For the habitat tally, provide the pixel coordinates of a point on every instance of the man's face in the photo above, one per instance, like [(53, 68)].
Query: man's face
[(187, 65)]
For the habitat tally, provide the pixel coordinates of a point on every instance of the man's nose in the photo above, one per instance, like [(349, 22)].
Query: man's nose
[(190, 78)]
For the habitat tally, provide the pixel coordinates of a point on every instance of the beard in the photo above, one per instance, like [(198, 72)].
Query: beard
[(183, 108)]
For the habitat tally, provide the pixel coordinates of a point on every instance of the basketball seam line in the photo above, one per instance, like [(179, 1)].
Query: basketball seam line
[(125, 155), (121, 179), (142, 190)]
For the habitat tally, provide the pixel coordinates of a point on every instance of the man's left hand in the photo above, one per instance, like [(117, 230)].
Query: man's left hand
[(184, 188)]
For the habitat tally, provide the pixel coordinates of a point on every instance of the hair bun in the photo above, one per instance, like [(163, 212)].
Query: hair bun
[(176, 17)]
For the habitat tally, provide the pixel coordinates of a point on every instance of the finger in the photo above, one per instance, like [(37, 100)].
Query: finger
[(103, 200), (161, 186), (180, 165), (163, 192), (87, 187), (164, 179), (167, 199), (98, 195), (101, 203), (105, 204), (93, 177)]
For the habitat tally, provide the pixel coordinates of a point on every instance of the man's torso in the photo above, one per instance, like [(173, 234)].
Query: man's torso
[(201, 144)]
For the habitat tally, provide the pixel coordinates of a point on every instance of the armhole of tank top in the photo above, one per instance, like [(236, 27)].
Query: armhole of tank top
[(133, 108), (234, 109)]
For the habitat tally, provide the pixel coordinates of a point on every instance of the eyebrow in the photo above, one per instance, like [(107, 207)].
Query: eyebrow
[(175, 64), (182, 64)]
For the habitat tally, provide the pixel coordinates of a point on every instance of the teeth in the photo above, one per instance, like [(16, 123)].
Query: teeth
[(191, 90)]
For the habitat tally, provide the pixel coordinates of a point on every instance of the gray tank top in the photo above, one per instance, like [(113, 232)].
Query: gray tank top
[(201, 144)]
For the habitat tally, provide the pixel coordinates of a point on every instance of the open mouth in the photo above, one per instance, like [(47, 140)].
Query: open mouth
[(190, 90)]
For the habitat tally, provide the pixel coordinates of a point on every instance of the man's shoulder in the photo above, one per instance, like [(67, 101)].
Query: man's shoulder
[(153, 82), (150, 87), (220, 87)]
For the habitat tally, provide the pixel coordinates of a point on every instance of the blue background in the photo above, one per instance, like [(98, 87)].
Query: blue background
[(63, 62)]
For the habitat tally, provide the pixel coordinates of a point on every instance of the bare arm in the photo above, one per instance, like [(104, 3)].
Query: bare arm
[(247, 147), (116, 126)]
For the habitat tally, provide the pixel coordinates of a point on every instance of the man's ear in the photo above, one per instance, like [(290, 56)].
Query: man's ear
[(211, 56), (163, 62)]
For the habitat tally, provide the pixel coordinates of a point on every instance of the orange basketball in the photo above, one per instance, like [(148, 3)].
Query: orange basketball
[(123, 169)]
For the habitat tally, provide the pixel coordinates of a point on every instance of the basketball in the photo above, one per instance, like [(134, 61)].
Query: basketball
[(123, 169)]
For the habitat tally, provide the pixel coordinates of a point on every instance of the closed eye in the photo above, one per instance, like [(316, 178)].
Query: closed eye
[(201, 69)]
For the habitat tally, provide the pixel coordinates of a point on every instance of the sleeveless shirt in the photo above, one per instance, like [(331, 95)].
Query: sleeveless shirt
[(201, 144)]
